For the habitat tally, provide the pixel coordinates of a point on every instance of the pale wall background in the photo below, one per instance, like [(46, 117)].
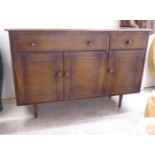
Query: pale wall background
[(49, 14)]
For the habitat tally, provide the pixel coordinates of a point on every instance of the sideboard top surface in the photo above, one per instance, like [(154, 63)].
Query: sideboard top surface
[(81, 30)]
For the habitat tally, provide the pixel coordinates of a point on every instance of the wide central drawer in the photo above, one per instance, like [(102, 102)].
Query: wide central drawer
[(32, 42)]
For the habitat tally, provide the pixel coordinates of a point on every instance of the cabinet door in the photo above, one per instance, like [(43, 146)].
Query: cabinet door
[(39, 77), (84, 74), (125, 70)]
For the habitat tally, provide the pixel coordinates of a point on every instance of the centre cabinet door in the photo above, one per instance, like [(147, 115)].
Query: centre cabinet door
[(84, 74), (125, 70), (39, 77)]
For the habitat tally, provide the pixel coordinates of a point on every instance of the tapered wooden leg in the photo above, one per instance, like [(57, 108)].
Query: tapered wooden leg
[(120, 100), (110, 97), (35, 110)]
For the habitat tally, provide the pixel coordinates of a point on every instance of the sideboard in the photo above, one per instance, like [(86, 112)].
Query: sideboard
[(57, 65)]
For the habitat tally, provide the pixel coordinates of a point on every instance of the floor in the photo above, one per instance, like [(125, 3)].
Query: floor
[(88, 116)]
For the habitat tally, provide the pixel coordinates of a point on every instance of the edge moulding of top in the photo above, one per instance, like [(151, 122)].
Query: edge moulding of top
[(54, 29)]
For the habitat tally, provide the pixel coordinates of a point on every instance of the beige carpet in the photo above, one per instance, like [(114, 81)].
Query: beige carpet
[(89, 116), (123, 124)]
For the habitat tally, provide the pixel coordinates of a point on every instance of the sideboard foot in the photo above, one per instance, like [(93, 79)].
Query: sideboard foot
[(120, 100), (35, 110)]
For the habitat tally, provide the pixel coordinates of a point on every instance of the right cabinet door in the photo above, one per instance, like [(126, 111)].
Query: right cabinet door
[(124, 72)]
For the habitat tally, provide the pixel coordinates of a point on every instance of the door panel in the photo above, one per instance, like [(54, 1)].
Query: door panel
[(39, 77), (84, 74), (125, 70)]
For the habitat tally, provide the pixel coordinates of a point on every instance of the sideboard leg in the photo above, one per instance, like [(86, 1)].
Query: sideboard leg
[(35, 110), (120, 100)]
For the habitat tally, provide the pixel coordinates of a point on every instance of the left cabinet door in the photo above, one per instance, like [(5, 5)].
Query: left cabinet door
[(38, 77)]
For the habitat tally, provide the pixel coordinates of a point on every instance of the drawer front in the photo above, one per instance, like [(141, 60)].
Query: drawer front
[(28, 42), (129, 41)]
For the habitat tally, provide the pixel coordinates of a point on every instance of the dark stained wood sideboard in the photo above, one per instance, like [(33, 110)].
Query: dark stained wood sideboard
[(55, 65)]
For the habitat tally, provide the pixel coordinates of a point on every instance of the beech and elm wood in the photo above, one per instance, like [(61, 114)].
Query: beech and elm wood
[(56, 65)]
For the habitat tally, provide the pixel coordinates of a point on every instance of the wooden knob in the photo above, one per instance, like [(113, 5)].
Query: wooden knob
[(67, 74), (60, 74), (110, 70), (33, 43), (90, 43), (129, 42)]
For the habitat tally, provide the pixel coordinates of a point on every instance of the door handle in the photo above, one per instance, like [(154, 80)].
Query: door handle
[(67, 74), (129, 42), (33, 43), (90, 43), (110, 70), (59, 74)]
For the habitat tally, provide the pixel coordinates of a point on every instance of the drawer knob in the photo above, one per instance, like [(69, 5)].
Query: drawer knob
[(67, 74), (110, 70), (129, 42), (33, 43), (59, 74), (90, 43)]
